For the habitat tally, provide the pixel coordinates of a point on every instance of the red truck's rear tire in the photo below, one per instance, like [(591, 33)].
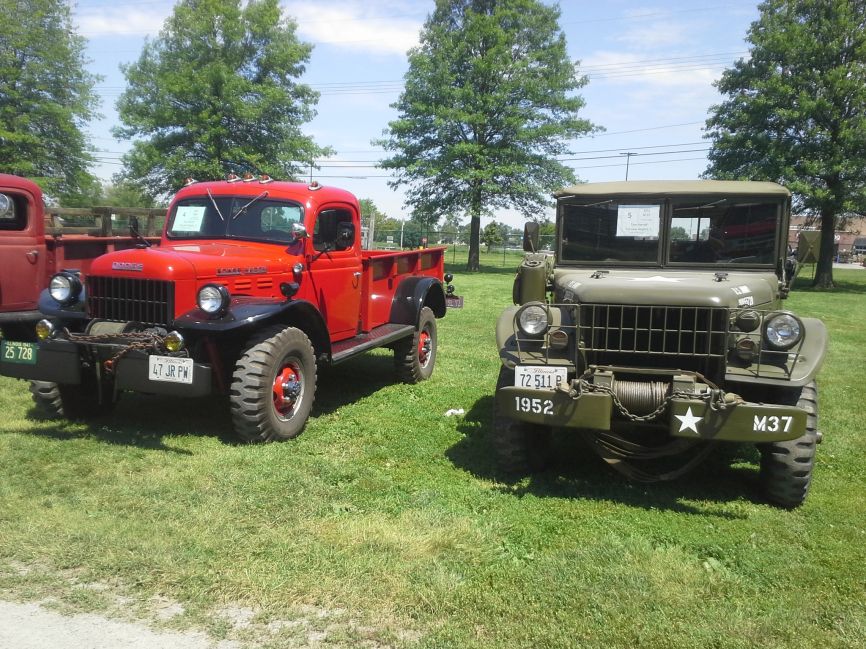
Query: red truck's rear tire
[(415, 356), (273, 385)]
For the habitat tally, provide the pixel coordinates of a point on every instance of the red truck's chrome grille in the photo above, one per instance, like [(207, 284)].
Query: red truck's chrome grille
[(691, 338), (148, 301)]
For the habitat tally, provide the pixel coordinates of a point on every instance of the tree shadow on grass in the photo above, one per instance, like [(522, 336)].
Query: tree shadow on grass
[(145, 421), (578, 472), (804, 285)]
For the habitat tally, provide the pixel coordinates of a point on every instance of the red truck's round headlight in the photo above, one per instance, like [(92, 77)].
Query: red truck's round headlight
[(213, 298), (65, 287)]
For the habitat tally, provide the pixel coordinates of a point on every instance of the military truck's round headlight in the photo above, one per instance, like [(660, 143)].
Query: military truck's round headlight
[(65, 287), (783, 330), (533, 319), (213, 298)]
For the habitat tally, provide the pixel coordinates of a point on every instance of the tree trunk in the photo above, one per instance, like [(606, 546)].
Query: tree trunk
[(475, 228), (824, 267)]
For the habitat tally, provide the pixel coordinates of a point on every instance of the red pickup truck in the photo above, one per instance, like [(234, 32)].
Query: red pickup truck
[(33, 246), (254, 282)]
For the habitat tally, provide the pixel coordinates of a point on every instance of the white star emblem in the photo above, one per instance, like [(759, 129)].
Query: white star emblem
[(657, 278), (688, 421)]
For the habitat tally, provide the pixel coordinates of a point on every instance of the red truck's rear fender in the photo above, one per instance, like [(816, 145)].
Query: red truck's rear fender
[(413, 294)]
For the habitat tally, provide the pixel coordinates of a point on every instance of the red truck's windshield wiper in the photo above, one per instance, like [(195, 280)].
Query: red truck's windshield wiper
[(244, 208)]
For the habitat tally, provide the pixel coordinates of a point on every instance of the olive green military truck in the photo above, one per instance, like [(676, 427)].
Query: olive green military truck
[(657, 327)]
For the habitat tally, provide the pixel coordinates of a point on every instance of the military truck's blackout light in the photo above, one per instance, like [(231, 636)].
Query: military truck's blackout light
[(558, 339), (747, 349), (173, 341), (44, 329)]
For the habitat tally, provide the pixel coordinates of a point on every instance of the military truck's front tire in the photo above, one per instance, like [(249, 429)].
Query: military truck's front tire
[(76, 402), (519, 447), (415, 356), (786, 467), (273, 385)]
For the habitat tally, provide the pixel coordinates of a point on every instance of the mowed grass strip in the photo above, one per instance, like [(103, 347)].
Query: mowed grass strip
[(390, 516)]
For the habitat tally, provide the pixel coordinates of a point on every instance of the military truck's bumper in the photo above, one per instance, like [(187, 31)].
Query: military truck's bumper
[(61, 361), (692, 418)]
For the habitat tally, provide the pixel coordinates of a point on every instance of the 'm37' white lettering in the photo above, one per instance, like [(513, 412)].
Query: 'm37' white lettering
[(772, 424)]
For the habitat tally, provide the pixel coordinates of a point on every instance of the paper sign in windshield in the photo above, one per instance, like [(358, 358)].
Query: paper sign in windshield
[(638, 221), (188, 218)]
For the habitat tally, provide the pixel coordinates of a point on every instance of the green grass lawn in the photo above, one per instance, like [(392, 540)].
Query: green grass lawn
[(386, 524)]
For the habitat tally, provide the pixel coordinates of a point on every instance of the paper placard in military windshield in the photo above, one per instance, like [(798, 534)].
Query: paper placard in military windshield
[(638, 221)]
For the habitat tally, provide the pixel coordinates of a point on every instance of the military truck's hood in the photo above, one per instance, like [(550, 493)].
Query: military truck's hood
[(194, 261), (664, 287)]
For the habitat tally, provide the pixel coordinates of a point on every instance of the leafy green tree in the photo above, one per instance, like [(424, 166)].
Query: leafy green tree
[(216, 93), (795, 111), (678, 233), (492, 235), (46, 99), (487, 106), (125, 194)]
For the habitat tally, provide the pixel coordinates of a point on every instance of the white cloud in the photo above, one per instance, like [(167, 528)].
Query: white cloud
[(120, 21), (355, 26)]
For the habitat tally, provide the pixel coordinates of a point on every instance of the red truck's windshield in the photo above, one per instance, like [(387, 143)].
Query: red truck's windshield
[(242, 217)]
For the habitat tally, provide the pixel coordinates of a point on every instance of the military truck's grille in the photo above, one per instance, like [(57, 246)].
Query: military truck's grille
[(148, 301), (692, 338)]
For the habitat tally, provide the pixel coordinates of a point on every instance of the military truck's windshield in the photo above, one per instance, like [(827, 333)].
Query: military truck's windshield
[(723, 231), (220, 217), (611, 231)]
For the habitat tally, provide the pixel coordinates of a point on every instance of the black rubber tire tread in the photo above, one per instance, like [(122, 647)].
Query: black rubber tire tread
[(786, 467), (57, 401), (409, 368), (250, 395), (519, 447), (46, 398)]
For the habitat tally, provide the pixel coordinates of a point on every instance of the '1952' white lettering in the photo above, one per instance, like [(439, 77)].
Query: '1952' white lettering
[(772, 424), (538, 406)]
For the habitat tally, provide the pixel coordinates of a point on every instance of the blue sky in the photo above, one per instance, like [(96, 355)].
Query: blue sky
[(651, 68)]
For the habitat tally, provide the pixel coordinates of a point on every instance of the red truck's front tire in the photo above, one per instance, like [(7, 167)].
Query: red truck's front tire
[(273, 385)]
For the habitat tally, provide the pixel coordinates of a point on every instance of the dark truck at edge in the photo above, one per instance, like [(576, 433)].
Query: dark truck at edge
[(657, 327)]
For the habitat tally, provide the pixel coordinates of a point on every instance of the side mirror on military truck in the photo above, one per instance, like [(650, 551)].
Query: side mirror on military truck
[(530, 237)]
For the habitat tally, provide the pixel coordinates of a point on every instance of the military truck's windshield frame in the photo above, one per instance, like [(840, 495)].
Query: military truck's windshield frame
[(675, 232)]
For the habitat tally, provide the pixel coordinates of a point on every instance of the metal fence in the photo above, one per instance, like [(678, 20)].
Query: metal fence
[(504, 253)]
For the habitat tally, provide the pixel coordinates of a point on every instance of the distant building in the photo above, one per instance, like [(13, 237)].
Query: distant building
[(851, 240)]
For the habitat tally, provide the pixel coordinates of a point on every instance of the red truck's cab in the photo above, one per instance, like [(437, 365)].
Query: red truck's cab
[(248, 273), (23, 259)]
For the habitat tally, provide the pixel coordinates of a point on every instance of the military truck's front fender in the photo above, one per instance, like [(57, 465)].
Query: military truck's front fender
[(505, 339)]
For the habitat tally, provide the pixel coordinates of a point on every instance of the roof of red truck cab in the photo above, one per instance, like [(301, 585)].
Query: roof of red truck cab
[(306, 194)]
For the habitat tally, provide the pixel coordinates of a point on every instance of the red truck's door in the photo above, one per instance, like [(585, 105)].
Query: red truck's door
[(22, 249), (336, 270)]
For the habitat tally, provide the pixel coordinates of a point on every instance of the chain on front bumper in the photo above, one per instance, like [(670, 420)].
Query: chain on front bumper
[(129, 342), (716, 398)]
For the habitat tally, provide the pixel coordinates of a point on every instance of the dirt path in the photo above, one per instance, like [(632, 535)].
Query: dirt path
[(30, 626)]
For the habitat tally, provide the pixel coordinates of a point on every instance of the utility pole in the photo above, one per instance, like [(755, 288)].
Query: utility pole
[(628, 155)]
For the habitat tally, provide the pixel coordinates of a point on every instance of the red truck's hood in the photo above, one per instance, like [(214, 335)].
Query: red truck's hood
[(200, 261)]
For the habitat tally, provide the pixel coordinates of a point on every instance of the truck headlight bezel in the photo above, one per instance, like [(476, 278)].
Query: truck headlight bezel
[(64, 287), (533, 319), (783, 330), (213, 299)]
